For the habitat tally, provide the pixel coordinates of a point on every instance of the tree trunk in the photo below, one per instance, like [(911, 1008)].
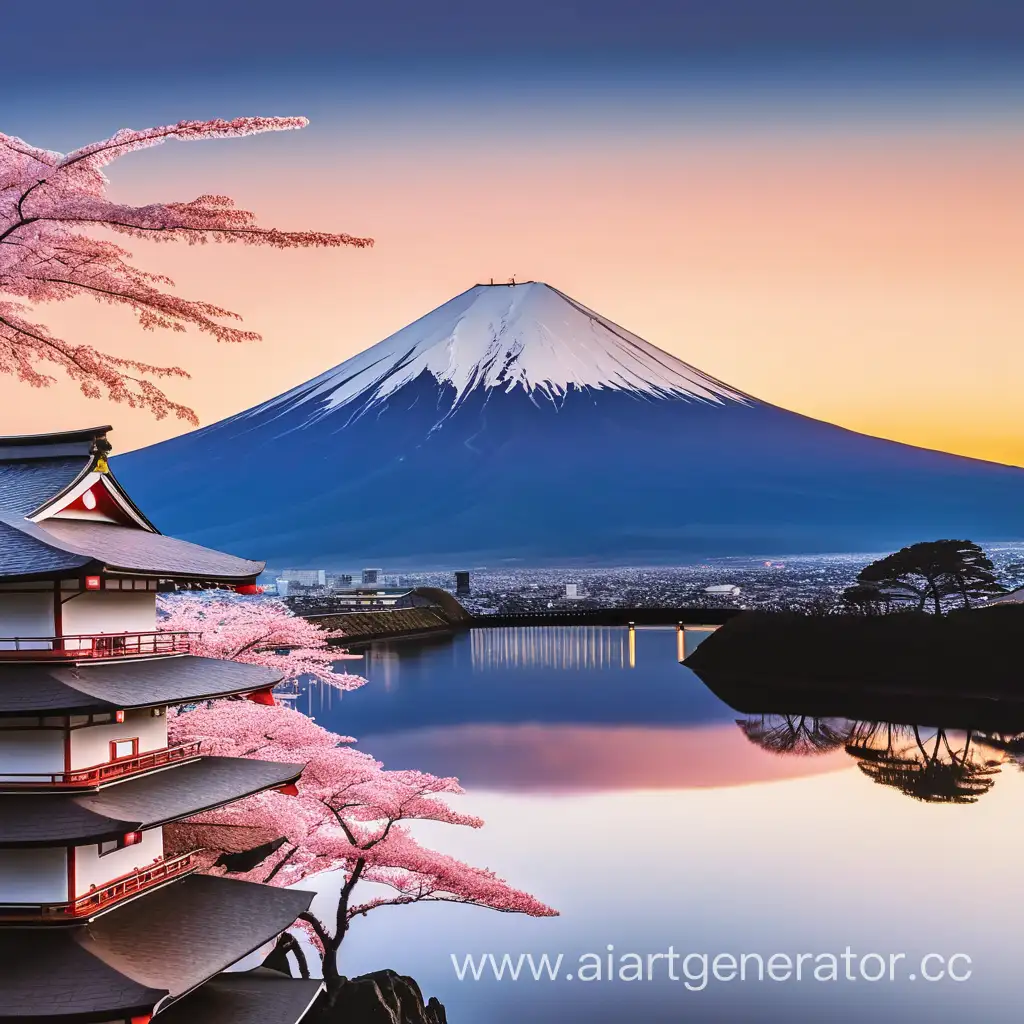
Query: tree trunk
[(277, 959)]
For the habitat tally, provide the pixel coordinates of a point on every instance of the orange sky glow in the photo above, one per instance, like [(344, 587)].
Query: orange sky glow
[(869, 279)]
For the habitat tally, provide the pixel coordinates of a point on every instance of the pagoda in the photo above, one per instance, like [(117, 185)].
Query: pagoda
[(97, 924)]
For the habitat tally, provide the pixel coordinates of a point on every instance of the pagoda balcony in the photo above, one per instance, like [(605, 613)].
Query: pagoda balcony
[(104, 897), (100, 774), (96, 646)]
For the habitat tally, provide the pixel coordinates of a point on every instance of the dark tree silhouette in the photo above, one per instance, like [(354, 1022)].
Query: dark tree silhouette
[(800, 735), (867, 598), (932, 771), (929, 571), (876, 741)]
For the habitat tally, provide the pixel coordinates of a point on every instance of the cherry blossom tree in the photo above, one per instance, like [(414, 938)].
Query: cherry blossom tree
[(49, 202), (260, 631), (350, 815)]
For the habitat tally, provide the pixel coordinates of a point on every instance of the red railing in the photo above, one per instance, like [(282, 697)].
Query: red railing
[(86, 778), (105, 896), (96, 645)]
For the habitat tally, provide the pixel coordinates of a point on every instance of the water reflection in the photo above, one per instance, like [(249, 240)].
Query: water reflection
[(933, 765), (584, 709), (793, 734), (568, 647), (548, 709), (654, 809)]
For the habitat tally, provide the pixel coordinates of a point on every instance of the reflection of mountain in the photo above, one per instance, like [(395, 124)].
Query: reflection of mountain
[(548, 709), (590, 758), (925, 764)]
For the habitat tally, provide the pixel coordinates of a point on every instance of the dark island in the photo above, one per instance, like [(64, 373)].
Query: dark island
[(968, 660)]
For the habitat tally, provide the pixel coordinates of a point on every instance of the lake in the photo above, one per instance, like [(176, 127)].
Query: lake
[(619, 789)]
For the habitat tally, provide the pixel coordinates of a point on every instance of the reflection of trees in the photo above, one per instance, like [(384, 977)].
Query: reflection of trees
[(1010, 744), (795, 734), (928, 765), (934, 770)]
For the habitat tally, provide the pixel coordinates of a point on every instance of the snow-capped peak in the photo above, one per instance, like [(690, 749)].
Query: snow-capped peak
[(526, 335)]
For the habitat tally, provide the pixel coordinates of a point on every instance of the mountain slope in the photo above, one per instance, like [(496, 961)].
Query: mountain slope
[(512, 423)]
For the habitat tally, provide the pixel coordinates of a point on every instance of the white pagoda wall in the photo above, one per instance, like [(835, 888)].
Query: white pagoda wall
[(28, 614), (90, 745), (109, 611), (31, 750), (93, 870), (34, 876)]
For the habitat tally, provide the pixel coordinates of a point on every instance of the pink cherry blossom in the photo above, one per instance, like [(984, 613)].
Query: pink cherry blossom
[(258, 631), (48, 203), (349, 816)]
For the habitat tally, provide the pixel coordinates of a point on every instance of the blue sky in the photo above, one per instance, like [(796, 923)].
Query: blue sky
[(73, 39)]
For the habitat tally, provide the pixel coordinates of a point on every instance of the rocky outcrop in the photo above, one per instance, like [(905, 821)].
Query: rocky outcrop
[(384, 997)]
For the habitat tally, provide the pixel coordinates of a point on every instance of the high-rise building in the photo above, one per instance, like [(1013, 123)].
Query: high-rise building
[(572, 590), (339, 581), (462, 582), (371, 577), (98, 921)]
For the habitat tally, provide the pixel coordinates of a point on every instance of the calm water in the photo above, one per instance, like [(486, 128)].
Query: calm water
[(620, 790)]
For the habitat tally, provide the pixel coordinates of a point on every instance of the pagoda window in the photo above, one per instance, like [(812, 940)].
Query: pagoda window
[(30, 751), (120, 749), (34, 876), (26, 620), (91, 613), (139, 733)]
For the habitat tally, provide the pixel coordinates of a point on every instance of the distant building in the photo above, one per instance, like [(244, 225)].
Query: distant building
[(305, 577), (339, 581), (281, 585), (572, 590), (371, 597), (723, 590), (462, 582), (371, 577)]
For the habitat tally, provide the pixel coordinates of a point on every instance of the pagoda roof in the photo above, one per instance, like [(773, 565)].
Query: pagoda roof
[(136, 804), (41, 473), (60, 443), (246, 997), (46, 688), (56, 546), (140, 957)]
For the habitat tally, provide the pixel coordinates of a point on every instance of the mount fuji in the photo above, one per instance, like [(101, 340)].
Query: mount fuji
[(513, 425)]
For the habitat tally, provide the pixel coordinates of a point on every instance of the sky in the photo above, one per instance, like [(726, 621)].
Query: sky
[(817, 203)]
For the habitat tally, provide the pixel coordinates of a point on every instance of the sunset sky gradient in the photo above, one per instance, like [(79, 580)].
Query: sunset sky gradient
[(825, 214)]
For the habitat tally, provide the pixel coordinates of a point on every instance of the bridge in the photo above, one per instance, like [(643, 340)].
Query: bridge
[(437, 611), (608, 617)]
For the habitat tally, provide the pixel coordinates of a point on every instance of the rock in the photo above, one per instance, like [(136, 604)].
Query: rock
[(383, 997)]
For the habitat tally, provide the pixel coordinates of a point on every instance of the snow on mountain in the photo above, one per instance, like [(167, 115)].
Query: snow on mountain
[(529, 336), (513, 425)]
